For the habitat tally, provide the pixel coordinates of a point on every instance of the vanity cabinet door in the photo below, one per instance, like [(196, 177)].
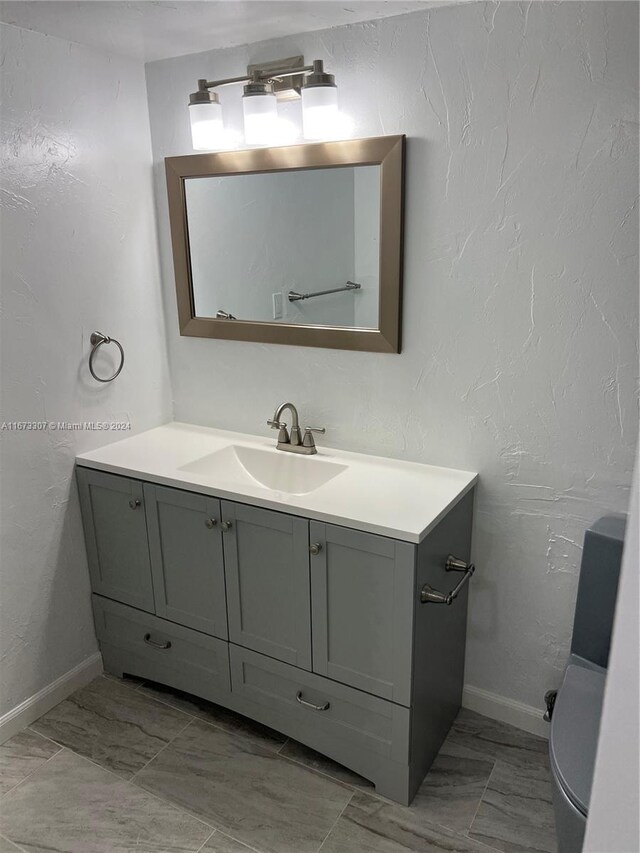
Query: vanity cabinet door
[(362, 610), (186, 558), (268, 592), (116, 537)]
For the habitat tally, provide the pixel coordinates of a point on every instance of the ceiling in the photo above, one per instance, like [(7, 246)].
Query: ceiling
[(158, 29)]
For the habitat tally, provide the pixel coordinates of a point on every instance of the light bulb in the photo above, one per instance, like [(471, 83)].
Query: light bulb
[(260, 115), (207, 129)]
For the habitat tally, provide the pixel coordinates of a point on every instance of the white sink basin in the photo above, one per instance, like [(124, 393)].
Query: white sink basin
[(393, 498), (278, 470)]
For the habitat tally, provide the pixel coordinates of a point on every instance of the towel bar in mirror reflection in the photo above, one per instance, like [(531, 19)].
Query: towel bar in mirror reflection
[(294, 296), (258, 234)]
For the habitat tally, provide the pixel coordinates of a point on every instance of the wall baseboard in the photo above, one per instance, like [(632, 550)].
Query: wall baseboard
[(505, 710), (35, 706)]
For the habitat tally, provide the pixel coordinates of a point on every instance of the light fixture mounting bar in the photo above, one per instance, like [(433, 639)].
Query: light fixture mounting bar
[(285, 75), (277, 71), (213, 84)]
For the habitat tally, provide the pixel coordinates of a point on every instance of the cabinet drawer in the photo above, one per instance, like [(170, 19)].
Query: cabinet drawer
[(144, 645), (295, 696)]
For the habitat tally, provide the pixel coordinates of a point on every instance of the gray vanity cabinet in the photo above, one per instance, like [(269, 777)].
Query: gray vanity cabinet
[(116, 537), (321, 631), (267, 570), (185, 543), (362, 610)]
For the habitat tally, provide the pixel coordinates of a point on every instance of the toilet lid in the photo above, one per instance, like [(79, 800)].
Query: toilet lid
[(574, 732)]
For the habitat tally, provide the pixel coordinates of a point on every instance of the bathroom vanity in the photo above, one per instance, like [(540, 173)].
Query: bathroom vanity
[(292, 589)]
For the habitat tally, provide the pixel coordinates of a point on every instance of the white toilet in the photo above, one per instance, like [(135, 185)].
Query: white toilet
[(575, 715)]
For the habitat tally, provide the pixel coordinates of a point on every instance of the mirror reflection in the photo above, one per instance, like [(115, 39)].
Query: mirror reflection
[(297, 246)]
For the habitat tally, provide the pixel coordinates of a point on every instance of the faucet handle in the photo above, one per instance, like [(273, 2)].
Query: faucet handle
[(308, 440), (283, 435)]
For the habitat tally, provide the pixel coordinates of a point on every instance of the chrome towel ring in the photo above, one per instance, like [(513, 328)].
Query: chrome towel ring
[(97, 339)]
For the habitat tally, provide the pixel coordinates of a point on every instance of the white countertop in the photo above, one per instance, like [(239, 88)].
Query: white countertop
[(403, 500)]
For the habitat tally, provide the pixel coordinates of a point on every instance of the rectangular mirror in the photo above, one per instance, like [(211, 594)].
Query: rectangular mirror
[(267, 246), (298, 245)]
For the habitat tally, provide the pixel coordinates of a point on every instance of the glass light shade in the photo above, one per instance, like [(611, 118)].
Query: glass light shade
[(320, 116), (207, 131), (260, 118)]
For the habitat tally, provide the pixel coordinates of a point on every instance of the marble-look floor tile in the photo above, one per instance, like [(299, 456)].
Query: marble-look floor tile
[(7, 846), (221, 843), (452, 790), (70, 805), (112, 725), (21, 755), (516, 812), (498, 740), (214, 714), (321, 764), (449, 796), (245, 790), (370, 825)]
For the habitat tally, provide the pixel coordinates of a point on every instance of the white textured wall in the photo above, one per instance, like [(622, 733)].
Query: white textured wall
[(78, 253), (520, 299)]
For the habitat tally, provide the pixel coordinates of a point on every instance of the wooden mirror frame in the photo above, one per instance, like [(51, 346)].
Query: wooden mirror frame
[(384, 151)]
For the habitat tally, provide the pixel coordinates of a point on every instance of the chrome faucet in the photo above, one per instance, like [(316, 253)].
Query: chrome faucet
[(294, 441)]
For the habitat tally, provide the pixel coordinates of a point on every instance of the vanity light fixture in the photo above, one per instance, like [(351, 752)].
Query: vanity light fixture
[(285, 79)]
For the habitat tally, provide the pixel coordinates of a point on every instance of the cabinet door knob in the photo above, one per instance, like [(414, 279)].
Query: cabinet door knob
[(210, 523), (226, 525), (134, 503), (315, 548)]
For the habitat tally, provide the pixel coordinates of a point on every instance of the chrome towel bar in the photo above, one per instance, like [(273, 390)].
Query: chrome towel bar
[(429, 595), (294, 296), (97, 339)]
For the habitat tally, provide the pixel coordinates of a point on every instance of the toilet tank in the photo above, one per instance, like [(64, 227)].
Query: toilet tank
[(597, 589)]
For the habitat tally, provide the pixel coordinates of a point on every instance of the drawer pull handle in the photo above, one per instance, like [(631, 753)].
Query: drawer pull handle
[(315, 548), (134, 503), (226, 525), (210, 523), (150, 642), (313, 707)]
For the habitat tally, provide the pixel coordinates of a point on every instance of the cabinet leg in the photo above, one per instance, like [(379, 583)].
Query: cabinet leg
[(111, 665), (115, 671), (395, 786)]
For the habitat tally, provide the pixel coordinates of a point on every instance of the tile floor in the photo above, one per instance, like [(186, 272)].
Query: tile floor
[(124, 766)]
